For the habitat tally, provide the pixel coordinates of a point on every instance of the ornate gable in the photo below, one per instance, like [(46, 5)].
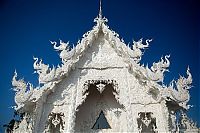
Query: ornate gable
[(101, 60)]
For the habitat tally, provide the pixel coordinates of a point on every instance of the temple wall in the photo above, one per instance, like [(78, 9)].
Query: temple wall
[(67, 101), (100, 62), (59, 100), (157, 112)]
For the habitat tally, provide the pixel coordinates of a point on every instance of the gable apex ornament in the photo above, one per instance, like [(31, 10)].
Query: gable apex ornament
[(100, 19)]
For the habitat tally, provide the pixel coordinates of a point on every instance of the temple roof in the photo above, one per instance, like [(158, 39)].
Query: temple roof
[(152, 76)]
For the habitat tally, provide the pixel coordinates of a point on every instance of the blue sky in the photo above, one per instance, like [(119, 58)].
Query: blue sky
[(26, 26)]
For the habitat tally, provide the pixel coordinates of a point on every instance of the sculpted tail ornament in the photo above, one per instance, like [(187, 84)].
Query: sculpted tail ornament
[(187, 125), (180, 93), (23, 91), (18, 84), (156, 73), (185, 83), (161, 65), (45, 73), (65, 52), (137, 47)]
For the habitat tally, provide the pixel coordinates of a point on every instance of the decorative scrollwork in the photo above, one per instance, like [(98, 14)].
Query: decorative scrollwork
[(137, 47), (100, 84), (156, 73), (45, 73), (23, 91), (180, 93), (55, 123), (100, 87), (186, 124), (146, 122), (65, 54)]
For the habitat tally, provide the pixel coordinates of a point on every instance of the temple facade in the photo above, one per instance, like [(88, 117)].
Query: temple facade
[(101, 86)]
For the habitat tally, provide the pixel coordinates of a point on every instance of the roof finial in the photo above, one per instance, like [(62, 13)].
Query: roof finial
[(100, 10), (100, 19)]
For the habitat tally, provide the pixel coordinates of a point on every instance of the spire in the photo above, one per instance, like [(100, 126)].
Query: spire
[(100, 19), (100, 10)]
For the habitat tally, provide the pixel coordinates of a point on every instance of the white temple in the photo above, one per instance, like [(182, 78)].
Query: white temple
[(100, 86)]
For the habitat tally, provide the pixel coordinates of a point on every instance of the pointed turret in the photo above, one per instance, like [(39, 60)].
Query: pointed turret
[(100, 19), (100, 10)]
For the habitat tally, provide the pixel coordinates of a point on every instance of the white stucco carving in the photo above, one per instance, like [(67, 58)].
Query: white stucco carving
[(45, 73), (102, 73), (186, 124), (137, 47), (156, 73), (180, 93), (23, 91), (65, 53)]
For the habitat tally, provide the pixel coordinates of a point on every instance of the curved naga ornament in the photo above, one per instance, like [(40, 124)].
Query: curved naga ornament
[(156, 73), (23, 91), (138, 46), (180, 94), (45, 73), (187, 124), (65, 54)]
